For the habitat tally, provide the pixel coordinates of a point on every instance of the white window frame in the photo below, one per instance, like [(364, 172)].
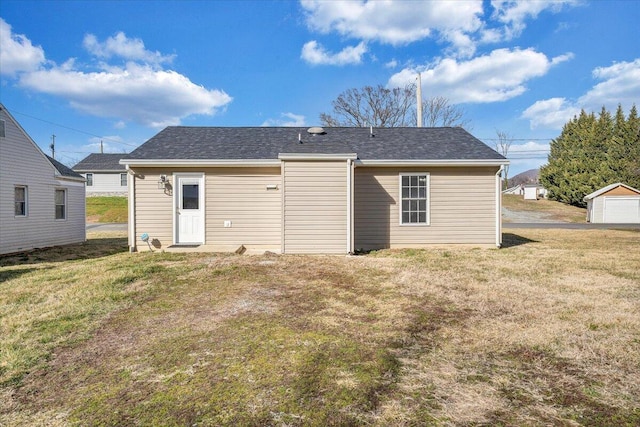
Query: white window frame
[(89, 178), (64, 204), (25, 201), (125, 180), (427, 199)]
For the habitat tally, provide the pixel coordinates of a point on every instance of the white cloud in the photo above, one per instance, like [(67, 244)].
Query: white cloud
[(461, 25), (620, 85), (498, 76), (122, 46), (391, 22), (140, 93), (391, 64), (316, 54), (394, 22), (550, 113), (513, 14), (286, 120), (110, 144), (17, 54)]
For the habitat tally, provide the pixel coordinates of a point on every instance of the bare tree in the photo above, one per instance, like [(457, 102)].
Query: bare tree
[(372, 106), (382, 107), (502, 145), (437, 111)]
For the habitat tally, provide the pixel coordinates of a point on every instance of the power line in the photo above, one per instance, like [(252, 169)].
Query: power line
[(115, 141)]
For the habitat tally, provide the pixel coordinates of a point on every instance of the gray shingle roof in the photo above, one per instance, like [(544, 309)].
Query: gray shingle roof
[(252, 143), (63, 170), (101, 162)]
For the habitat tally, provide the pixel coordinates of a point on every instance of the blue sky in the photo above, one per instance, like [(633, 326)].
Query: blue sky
[(119, 71)]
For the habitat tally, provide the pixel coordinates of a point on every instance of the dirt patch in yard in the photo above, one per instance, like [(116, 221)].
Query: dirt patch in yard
[(544, 332)]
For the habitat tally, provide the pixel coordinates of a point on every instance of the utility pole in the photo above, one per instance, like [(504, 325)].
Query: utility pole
[(101, 150), (53, 146), (419, 101)]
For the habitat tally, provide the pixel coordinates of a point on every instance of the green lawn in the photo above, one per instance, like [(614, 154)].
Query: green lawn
[(542, 332), (107, 209)]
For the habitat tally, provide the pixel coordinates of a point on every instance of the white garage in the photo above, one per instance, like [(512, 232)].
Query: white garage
[(614, 204)]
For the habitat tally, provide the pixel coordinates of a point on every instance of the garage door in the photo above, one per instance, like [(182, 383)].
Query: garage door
[(622, 210)]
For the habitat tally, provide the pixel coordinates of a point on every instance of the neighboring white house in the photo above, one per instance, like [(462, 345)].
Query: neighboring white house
[(614, 204), (534, 191), (297, 190), (104, 174), (517, 190), (42, 202)]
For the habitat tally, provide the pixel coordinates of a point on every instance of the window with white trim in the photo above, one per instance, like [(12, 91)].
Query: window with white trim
[(89, 177), (20, 200), (123, 180), (2, 130), (414, 193), (61, 204)]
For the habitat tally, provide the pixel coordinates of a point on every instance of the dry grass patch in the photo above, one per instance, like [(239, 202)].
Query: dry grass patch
[(544, 332), (551, 209)]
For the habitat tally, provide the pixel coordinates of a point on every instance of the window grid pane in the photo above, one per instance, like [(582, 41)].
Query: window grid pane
[(20, 199), (414, 199), (89, 179), (123, 179), (60, 204)]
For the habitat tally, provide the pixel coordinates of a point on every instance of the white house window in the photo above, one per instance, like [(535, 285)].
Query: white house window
[(61, 204), (89, 177), (414, 193), (2, 131), (20, 198), (123, 179)]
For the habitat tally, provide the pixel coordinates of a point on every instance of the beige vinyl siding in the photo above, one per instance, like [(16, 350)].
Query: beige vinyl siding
[(238, 195), (461, 208), (22, 163), (154, 208), (315, 206)]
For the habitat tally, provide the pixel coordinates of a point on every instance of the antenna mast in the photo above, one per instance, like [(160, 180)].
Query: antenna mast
[(419, 101), (53, 146)]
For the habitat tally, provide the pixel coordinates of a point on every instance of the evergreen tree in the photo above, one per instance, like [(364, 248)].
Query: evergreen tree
[(591, 153)]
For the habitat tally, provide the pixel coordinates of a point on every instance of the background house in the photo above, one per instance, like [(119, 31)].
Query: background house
[(614, 204), (42, 201), (314, 190), (104, 174)]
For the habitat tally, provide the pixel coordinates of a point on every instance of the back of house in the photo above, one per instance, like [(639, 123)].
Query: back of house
[(42, 201), (298, 190)]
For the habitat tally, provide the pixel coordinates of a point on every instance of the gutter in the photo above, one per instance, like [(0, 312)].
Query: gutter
[(431, 162), (131, 183), (199, 162), (499, 207)]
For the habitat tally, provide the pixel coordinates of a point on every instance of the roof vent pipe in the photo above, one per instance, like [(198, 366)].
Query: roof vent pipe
[(371, 135), (300, 138)]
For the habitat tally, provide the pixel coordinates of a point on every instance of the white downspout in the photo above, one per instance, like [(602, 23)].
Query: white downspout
[(131, 183), (349, 206), (499, 207)]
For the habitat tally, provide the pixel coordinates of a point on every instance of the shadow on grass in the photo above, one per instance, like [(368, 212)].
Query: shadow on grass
[(91, 249), (510, 240), (12, 274)]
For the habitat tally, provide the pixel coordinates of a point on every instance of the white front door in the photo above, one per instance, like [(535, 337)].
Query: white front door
[(189, 202)]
